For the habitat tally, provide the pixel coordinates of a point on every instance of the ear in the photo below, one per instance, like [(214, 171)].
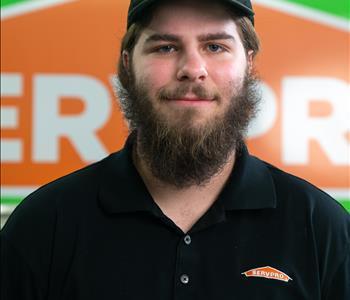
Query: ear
[(126, 60), (250, 60)]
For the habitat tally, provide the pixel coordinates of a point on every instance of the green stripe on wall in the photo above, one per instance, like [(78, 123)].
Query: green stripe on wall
[(11, 200), (345, 203), (9, 2), (339, 8)]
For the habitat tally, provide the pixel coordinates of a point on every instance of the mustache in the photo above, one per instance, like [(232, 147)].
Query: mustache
[(182, 90)]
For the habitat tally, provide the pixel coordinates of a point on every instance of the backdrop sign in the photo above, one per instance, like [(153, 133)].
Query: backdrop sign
[(59, 113)]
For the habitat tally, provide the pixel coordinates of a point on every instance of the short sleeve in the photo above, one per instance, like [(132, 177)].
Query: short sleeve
[(17, 278), (339, 285)]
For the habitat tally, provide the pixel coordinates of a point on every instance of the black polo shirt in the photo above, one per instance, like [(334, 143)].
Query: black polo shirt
[(98, 234)]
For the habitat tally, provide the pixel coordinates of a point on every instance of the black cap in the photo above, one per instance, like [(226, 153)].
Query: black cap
[(138, 6)]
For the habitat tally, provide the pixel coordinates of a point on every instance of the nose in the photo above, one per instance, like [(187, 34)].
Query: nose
[(192, 67)]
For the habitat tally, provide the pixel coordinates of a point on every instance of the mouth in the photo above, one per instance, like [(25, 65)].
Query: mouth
[(191, 100)]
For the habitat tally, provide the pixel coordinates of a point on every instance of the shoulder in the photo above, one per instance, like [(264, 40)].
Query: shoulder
[(77, 183), (293, 190), (324, 221), (63, 198), (44, 227), (53, 216), (303, 202)]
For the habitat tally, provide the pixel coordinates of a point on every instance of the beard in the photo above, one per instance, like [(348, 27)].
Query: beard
[(178, 152)]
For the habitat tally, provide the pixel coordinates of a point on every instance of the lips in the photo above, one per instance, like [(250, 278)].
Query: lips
[(190, 98), (191, 102)]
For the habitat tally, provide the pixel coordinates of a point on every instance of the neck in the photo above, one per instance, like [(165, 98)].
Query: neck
[(184, 206)]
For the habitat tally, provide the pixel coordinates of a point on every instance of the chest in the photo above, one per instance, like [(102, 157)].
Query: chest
[(150, 258)]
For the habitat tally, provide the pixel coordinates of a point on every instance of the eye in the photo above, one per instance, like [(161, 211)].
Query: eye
[(166, 49), (215, 48)]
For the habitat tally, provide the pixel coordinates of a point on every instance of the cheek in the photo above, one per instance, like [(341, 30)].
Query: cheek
[(228, 73), (155, 73), (224, 77)]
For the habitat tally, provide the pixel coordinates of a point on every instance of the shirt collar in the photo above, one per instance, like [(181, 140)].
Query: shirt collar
[(122, 189), (250, 185)]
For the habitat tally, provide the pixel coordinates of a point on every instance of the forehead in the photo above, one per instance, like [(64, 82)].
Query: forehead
[(191, 17)]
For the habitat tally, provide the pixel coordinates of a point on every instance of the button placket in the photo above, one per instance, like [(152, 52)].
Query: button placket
[(183, 279)]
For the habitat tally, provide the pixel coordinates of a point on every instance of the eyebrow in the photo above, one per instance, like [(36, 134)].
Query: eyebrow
[(215, 36), (157, 37)]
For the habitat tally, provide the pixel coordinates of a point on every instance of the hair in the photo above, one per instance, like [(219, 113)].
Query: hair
[(244, 25)]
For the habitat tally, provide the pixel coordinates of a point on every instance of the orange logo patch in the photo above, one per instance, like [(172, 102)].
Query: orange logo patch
[(267, 272)]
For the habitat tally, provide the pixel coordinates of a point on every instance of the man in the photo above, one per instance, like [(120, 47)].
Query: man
[(183, 211)]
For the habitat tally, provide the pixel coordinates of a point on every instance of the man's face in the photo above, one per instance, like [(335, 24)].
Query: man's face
[(191, 61), (190, 94)]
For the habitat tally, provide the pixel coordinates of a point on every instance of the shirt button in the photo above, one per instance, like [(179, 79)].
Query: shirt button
[(187, 239), (184, 279)]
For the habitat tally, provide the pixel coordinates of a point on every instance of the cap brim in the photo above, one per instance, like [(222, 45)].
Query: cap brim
[(141, 7)]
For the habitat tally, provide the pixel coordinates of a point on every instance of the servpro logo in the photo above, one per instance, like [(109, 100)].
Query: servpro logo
[(267, 272)]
